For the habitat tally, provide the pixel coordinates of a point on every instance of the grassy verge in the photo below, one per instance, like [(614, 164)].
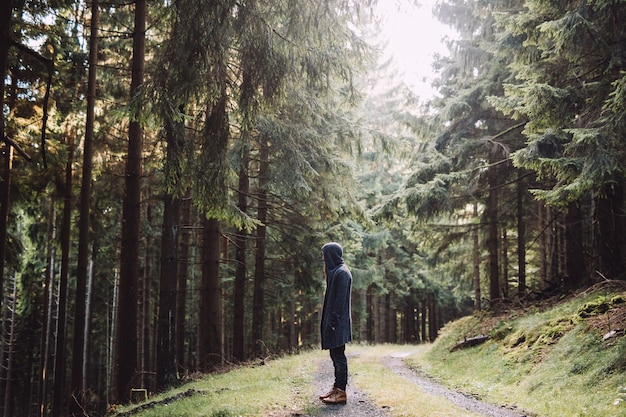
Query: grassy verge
[(552, 362), (392, 392), (276, 389)]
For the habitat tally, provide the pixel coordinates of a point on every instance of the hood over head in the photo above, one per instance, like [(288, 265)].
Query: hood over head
[(333, 255)]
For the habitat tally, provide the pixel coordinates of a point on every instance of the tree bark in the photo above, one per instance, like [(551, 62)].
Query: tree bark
[(126, 340), (521, 238), (46, 334), (166, 329), (492, 240), (181, 286), (58, 391), (476, 261), (77, 388), (575, 265), (610, 212), (166, 340), (209, 335), (6, 13), (240, 269), (258, 298)]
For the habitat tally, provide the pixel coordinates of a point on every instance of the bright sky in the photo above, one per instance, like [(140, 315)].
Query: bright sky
[(415, 36)]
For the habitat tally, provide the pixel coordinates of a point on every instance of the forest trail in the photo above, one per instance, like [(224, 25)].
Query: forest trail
[(361, 405)]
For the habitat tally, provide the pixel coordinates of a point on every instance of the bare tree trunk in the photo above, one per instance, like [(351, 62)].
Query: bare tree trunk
[(543, 262), (5, 202), (258, 301), (521, 238), (77, 402), (476, 260), (241, 267), (46, 334), (166, 340), (492, 241), (8, 389), (505, 264), (575, 265), (610, 212), (58, 392), (145, 343), (166, 329), (181, 288), (6, 12), (209, 334), (126, 341)]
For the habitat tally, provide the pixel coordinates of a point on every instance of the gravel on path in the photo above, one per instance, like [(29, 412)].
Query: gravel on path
[(397, 365), (361, 405)]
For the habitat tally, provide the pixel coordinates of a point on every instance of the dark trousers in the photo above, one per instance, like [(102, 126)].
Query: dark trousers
[(340, 362)]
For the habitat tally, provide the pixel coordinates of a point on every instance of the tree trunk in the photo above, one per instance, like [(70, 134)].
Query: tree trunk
[(240, 269), (492, 240), (542, 238), (8, 388), (181, 288), (166, 328), (575, 265), (476, 260), (58, 391), (423, 319), (209, 335), (46, 334), (126, 340), (258, 301), (610, 211), (5, 202), (6, 12), (505, 264), (77, 388), (521, 238), (145, 346), (166, 341)]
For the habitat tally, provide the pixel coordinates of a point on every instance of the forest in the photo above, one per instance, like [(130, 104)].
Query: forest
[(171, 169)]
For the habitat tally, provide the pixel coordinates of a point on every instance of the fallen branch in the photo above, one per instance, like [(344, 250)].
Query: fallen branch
[(472, 341)]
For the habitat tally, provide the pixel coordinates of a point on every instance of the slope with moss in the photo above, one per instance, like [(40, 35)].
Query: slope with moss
[(563, 357)]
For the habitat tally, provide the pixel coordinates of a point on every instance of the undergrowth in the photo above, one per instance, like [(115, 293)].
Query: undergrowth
[(535, 358)]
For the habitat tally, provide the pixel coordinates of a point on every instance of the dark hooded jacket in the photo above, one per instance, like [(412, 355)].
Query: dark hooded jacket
[(336, 325)]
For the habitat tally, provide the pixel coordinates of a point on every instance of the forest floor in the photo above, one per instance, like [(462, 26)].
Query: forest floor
[(361, 405)]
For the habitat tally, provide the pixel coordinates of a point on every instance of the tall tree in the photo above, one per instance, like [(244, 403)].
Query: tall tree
[(78, 354), (126, 341), (570, 89), (60, 356), (241, 238), (6, 13)]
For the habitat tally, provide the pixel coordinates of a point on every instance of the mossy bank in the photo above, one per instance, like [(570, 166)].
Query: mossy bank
[(564, 357)]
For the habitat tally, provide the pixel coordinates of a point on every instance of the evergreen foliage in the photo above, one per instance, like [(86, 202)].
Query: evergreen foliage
[(275, 128)]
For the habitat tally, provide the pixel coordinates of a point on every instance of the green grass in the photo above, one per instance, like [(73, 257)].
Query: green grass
[(546, 362), (280, 386), (392, 392)]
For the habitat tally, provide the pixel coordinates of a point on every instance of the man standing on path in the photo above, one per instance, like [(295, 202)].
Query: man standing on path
[(336, 325)]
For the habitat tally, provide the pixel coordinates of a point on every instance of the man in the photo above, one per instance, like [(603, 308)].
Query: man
[(336, 325)]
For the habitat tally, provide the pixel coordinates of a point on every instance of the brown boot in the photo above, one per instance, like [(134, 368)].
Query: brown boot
[(328, 394), (338, 397)]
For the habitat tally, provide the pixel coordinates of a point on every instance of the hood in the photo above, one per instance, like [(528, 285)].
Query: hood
[(333, 255)]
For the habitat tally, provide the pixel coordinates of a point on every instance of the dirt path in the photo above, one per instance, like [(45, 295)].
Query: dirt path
[(396, 364), (360, 405)]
